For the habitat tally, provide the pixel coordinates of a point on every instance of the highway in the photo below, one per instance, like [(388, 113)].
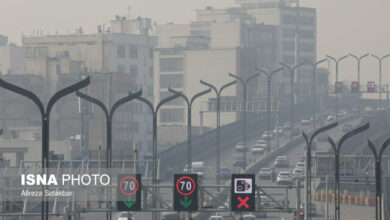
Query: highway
[(229, 154)]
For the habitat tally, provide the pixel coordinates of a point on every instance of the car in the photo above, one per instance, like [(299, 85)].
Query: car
[(365, 119), (368, 109), (380, 108), (249, 217), (287, 126), (216, 217), (278, 130), (342, 113), (284, 178), (312, 207), (347, 127), (226, 215), (170, 216), (297, 173), (322, 137), (267, 173), (224, 173), (258, 149), (305, 122), (267, 135), (240, 147), (126, 216), (331, 118), (238, 163), (281, 161), (300, 165), (295, 132)]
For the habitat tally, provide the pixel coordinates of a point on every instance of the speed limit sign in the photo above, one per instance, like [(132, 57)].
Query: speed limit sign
[(129, 192), (185, 192)]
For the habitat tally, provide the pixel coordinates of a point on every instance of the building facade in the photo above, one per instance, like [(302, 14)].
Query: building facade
[(125, 48), (11, 57)]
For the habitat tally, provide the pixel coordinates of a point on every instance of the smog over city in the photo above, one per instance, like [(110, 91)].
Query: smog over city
[(194, 110)]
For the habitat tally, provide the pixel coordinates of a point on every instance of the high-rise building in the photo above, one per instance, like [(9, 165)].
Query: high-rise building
[(208, 51), (125, 48), (11, 57)]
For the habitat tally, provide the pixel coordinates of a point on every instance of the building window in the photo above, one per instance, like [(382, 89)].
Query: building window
[(288, 46), (307, 47), (288, 59), (133, 69), (172, 115), (150, 90), (135, 126), (171, 81), (120, 68), (171, 64), (133, 52), (151, 53), (120, 51), (291, 19), (304, 34), (151, 72)]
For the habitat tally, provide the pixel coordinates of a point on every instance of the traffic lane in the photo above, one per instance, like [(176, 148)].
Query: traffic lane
[(294, 157)]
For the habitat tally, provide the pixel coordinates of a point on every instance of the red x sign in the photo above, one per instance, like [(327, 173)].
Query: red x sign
[(243, 202)]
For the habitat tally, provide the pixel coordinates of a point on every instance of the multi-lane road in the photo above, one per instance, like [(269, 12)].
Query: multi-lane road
[(229, 154)]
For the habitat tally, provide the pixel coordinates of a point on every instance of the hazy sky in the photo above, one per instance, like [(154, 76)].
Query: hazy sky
[(344, 26)]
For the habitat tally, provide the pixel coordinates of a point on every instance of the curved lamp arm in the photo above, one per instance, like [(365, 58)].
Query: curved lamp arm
[(209, 85), (333, 144), (25, 93), (373, 149), (384, 146), (95, 101), (168, 99), (66, 91), (226, 86), (204, 92), (325, 128), (124, 100), (181, 94), (352, 133)]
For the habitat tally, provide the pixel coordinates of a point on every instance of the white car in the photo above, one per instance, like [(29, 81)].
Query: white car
[(281, 161), (258, 149), (297, 173), (300, 165), (284, 178), (126, 216), (249, 217), (368, 109), (240, 147), (267, 135), (215, 217)]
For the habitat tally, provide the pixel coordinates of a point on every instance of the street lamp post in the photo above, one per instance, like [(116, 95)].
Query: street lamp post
[(189, 124), (109, 116), (314, 66), (218, 94), (378, 176), (154, 154), (337, 151), (337, 61), (358, 59), (45, 114), (269, 77), (380, 61), (292, 71), (308, 165), (244, 83)]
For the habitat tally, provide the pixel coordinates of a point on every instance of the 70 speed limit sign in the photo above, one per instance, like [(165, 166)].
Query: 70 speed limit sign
[(129, 192), (185, 192)]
